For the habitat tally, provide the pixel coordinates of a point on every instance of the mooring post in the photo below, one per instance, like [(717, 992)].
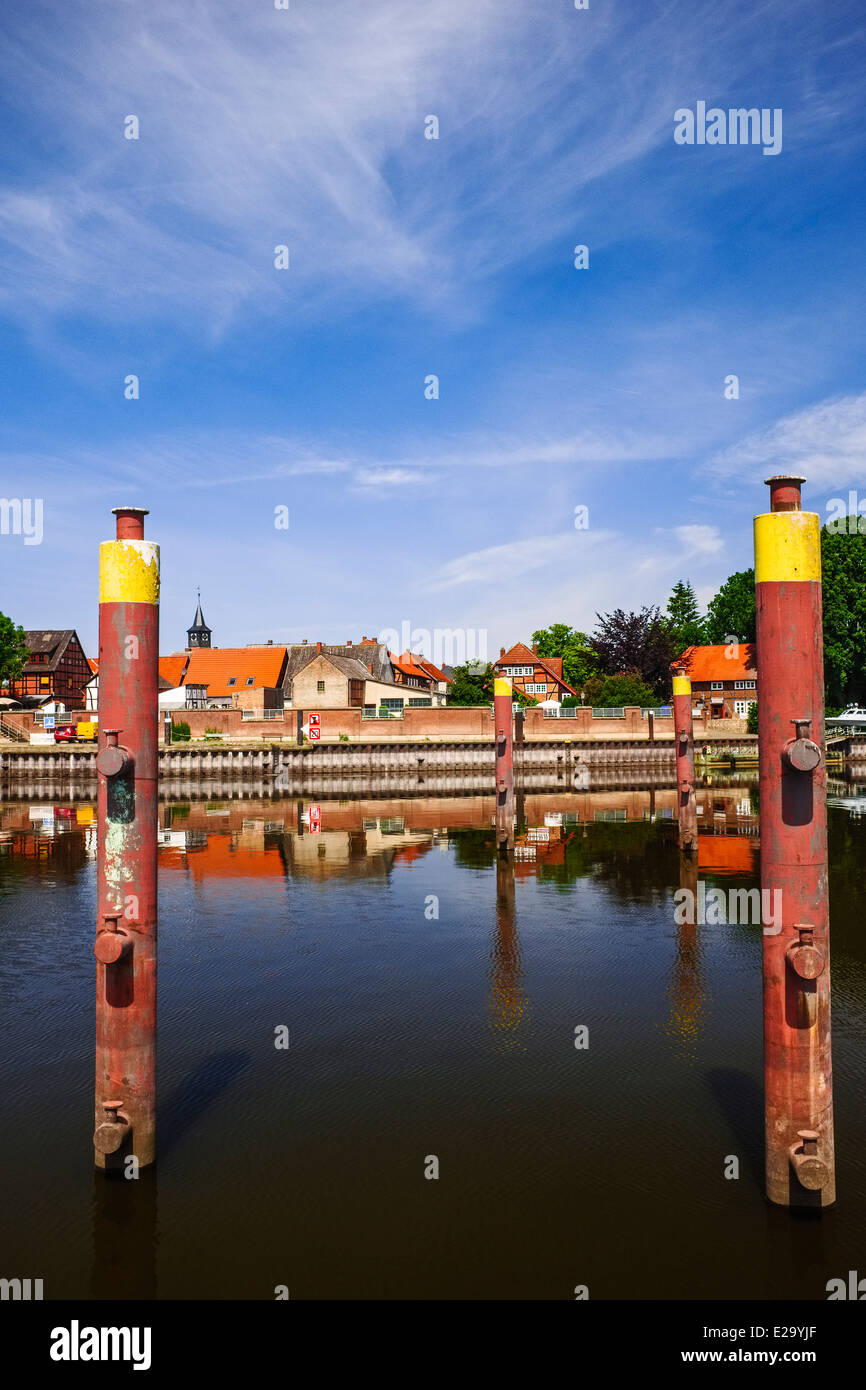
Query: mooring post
[(798, 1079), (503, 719), (687, 807), (125, 946)]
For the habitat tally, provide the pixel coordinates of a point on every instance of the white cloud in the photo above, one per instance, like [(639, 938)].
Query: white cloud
[(305, 127), (825, 443), (507, 562), (699, 540)]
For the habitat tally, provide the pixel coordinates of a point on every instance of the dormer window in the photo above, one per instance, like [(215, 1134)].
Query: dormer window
[(232, 680)]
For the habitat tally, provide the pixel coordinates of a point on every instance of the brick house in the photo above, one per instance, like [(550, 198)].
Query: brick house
[(56, 668), (538, 678), (724, 679)]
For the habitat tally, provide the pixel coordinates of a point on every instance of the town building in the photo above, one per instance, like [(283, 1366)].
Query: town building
[(724, 679), (324, 676), (538, 678), (416, 672), (234, 677), (56, 669)]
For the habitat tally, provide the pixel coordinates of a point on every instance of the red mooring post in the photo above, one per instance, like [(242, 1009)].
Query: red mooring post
[(125, 947), (503, 720), (798, 1082), (687, 806)]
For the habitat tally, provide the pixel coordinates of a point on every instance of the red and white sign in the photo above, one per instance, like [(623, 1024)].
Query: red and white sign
[(315, 814), (313, 728)]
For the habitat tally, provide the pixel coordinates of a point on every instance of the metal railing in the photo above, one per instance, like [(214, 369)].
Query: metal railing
[(608, 711), (381, 713), (659, 711), (264, 714)]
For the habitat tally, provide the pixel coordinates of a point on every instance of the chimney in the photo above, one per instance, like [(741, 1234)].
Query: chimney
[(370, 667), (349, 642), (535, 649), (501, 653), (318, 646)]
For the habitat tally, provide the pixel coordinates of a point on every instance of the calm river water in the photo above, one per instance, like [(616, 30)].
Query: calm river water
[(431, 1002)]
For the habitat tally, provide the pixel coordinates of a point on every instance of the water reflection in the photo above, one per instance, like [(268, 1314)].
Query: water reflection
[(309, 910), (508, 1004)]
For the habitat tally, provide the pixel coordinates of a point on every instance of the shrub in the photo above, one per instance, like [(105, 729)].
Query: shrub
[(180, 731)]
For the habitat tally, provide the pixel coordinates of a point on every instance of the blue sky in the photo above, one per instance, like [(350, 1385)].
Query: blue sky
[(304, 387)]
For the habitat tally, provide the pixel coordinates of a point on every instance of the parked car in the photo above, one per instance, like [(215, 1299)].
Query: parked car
[(76, 733)]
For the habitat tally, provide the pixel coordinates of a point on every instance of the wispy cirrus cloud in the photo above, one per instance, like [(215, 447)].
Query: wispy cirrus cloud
[(305, 127), (825, 443), (515, 558)]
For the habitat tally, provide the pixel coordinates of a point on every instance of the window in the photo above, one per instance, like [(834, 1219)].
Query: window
[(741, 707), (251, 680), (420, 704), (392, 704), (535, 688), (320, 686), (717, 685), (232, 680)]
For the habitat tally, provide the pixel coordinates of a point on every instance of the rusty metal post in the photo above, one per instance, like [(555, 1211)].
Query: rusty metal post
[(798, 1081), (503, 720), (687, 806), (125, 946)]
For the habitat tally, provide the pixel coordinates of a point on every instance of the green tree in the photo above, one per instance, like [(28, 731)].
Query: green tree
[(752, 718), (685, 623), (843, 560), (732, 612), (471, 684), (628, 688), (13, 649), (579, 661)]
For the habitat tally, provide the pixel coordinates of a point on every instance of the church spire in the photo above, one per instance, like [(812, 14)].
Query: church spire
[(199, 634)]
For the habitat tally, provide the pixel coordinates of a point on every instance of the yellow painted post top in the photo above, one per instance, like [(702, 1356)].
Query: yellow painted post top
[(787, 547), (682, 685), (501, 686), (128, 572)]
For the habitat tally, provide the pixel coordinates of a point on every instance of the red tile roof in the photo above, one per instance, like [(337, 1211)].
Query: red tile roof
[(718, 663), (434, 671), (171, 668), (406, 664), (215, 667)]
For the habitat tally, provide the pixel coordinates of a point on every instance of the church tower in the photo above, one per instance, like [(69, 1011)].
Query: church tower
[(199, 634)]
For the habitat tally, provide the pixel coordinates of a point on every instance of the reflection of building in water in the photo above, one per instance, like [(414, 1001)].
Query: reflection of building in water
[(508, 1005)]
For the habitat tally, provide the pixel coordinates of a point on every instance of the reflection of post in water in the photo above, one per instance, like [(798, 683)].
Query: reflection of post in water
[(687, 988), (124, 1236), (503, 719), (508, 1006)]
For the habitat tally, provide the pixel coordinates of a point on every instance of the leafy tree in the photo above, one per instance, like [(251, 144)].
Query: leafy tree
[(732, 611), (684, 617), (628, 688), (752, 718), (579, 661), (636, 643), (471, 684), (13, 649), (843, 559)]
